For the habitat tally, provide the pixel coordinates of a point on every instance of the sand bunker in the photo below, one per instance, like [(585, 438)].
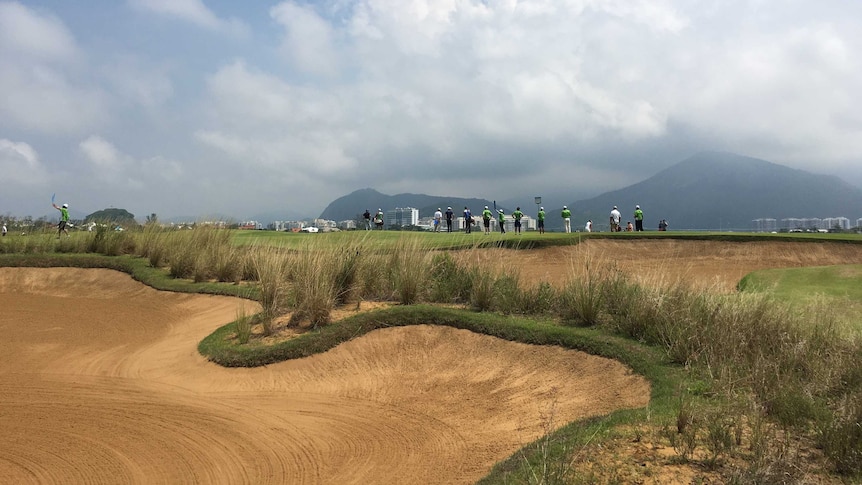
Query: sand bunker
[(101, 382)]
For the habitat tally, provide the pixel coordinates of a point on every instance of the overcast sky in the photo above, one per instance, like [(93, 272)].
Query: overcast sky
[(196, 107)]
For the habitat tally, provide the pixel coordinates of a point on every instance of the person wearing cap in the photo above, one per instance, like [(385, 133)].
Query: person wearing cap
[(64, 219), (615, 220), (567, 219), (501, 220), (588, 227), (486, 219), (438, 218), (449, 216), (517, 215), (540, 217), (378, 219), (639, 218), (468, 220)]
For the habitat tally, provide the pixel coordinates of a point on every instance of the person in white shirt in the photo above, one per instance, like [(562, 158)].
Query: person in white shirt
[(438, 218), (589, 226), (615, 220)]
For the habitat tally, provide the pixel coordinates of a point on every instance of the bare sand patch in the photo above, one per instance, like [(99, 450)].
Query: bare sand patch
[(101, 382)]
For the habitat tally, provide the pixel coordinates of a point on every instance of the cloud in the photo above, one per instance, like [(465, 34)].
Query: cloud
[(193, 11), (39, 64), (308, 39), (28, 33), (20, 166)]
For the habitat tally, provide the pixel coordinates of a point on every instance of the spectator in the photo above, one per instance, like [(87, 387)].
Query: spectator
[(541, 218), (517, 215), (589, 226), (639, 219), (449, 216), (367, 217), (567, 219), (486, 219), (615, 220), (468, 221), (501, 219), (438, 219)]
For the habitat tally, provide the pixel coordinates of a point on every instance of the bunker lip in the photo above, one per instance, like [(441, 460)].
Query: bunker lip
[(100, 382)]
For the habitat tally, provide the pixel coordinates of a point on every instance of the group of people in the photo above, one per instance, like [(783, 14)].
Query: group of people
[(377, 219), (449, 215)]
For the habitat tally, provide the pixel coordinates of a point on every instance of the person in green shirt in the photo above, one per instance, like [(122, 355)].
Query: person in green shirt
[(64, 219), (567, 219), (541, 218), (486, 219), (517, 215), (501, 220), (639, 218)]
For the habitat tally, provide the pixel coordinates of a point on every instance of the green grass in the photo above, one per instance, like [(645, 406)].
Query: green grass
[(833, 286)]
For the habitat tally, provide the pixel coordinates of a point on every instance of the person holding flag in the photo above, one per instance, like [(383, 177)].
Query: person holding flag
[(64, 218)]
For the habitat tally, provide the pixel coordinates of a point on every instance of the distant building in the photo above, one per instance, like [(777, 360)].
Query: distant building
[(402, 217), (250, 225), (347, 225), (764, 225), (833, 222)]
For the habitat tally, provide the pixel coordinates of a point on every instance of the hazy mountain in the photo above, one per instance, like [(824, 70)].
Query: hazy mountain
[(722, 191), (352, 205)]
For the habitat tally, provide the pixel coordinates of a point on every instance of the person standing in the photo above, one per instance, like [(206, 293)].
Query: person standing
[(449, 216), (589, 226), (468, 220), (378, 219), (4, 229), (501, 219), (438, 219), (662, 225), (367, 217), (541, 218), (517, 215), (615, 220), (486, 219), (639, 218), (567, 219), (64, 219)]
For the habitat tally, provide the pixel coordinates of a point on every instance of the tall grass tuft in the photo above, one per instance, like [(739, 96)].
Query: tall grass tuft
[(271, 265), (313, 289), (410, 269), (243, 326), (450, 282)]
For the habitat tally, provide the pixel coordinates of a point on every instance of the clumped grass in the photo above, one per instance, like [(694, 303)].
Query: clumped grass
[(450, 281), (411, 270), (313, 290), (243, 326), (271, 265)]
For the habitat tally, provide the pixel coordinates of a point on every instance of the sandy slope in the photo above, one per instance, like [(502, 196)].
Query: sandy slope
[(100, 382)]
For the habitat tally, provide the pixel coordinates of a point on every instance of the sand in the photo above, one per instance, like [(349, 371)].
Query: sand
[(101, 382)]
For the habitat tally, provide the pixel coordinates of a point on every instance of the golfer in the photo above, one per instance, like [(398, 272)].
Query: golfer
[(64, 219)]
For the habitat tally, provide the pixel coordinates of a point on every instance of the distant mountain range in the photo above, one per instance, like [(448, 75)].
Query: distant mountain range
[(710, 190)]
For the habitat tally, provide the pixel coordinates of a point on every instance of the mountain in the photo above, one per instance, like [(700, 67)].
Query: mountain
[(352, 205), (722, 191)]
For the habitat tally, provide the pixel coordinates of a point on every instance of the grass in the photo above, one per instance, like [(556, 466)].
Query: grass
[(718, 364)]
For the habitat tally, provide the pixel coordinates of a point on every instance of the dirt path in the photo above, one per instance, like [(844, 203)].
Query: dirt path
[(101, 382)]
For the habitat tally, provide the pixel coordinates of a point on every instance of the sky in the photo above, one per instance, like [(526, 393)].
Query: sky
[(192, 108)]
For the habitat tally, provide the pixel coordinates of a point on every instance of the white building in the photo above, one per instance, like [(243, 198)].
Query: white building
[(831, 222), (764, 225), (402, 217), (347, 225)]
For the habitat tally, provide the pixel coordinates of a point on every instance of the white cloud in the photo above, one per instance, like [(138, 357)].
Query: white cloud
[(29, 33), (308, 39), (193, 11), (20, 166), (38, 67)]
